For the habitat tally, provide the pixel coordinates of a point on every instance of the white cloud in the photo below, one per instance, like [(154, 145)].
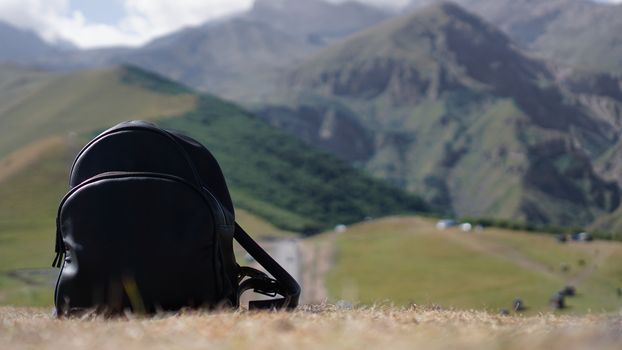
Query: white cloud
[(143, 20), (156, 17), (381, 3)]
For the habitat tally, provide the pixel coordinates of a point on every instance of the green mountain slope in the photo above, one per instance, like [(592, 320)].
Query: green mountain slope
[(37, 105), (270, 173), (274, 178), (281, 178), (455, 110)]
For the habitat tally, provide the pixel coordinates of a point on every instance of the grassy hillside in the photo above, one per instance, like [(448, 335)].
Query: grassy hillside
[(27, 217), (17, 83), (407, 260), (448, 106), (324, 327), (82, 102), (299, 187), (44, 119), (283, 185)]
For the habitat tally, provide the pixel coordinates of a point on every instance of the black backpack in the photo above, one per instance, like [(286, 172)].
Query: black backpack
[(148, 225)]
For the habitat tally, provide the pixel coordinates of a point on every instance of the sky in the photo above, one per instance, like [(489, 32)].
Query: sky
[(99, 23)]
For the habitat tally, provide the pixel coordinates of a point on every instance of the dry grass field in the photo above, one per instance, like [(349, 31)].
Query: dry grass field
[(312, 327)]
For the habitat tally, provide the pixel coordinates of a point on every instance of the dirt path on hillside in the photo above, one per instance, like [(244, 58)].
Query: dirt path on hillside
[(603, 252), (287, 253), (317, 259), (34, 277), (483, 245), (308, 261)]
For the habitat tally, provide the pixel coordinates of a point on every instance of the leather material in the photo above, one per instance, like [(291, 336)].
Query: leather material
[(149, 225), (143, 241), (214, 181), (133, 150), (208, 169)]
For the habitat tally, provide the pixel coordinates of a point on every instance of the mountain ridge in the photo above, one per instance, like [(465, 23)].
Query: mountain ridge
[(270, 173), (22, 45), (580, 33), (237, 58), (460, 113), (436, 100)]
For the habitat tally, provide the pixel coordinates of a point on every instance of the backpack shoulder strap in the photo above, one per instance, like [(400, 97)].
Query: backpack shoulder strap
[(283, 283)]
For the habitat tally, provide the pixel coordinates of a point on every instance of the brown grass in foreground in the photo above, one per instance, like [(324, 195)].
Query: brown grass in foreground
[(311, 328)]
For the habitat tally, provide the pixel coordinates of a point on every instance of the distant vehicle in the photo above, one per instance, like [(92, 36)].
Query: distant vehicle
[(582, 237), (445, 224), (557, 301), (585, 237), (518, 305), (466, 227), (568, 291), (561, 238)]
